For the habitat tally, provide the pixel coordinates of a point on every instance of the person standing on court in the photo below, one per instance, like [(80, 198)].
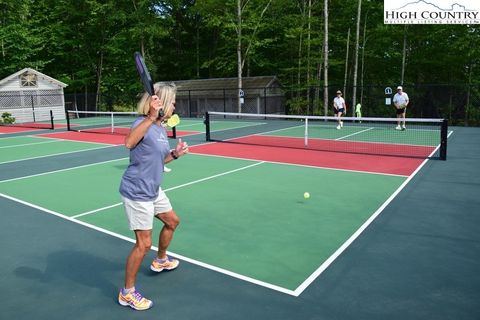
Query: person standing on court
[(358, 110), (400, 101), (141, 190), (340, 108)]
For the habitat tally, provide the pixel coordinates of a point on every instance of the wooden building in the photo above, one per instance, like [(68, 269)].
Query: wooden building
[(260, 95), (30, 95)]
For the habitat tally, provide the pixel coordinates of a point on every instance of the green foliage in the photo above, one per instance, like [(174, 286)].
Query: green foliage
[(7, 118), (297, 105), (89, 45)]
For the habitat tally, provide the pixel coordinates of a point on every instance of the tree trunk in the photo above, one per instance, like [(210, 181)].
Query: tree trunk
[(362, 72), (325, 59), (467, 105), (239, 52), (355, 71), (346, 66), (299, 61), (197, 48), (404, 51), (308, 53), (242, 58), (300, 46), (318, 77), (99, 80)]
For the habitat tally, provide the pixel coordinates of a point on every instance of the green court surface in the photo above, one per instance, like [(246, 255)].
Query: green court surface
[(28, 147), (364, 246), (245, 217), (420, 137), (197, 125), (186, 124)]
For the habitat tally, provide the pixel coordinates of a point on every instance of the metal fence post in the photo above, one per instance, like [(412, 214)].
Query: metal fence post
[(265, 99)]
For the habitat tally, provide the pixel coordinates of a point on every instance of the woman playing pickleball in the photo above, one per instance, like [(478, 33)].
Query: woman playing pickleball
[(141, 190)]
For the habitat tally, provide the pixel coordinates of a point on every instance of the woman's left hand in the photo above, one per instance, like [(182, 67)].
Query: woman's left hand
[(181, 148)]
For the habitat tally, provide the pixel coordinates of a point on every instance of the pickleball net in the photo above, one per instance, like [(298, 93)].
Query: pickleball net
[(28, 118), (104, 122), (422, 138)]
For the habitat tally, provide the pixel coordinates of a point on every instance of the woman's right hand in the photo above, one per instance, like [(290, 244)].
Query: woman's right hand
[(154, 107)]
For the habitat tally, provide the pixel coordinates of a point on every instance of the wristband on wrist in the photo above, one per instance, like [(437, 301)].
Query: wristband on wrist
[(172, 153)]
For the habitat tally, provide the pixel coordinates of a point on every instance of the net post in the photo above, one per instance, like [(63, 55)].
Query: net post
[(443, 140), (306, 132), (265, 100), (33, 109), (112, 123), (174, 132), (207, 126), (67, 116), (52, 125)]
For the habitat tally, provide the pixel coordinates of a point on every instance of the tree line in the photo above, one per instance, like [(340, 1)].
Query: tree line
[(89, 45)]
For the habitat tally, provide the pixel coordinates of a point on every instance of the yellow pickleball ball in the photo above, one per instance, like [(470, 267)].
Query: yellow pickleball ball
[(306, 195)]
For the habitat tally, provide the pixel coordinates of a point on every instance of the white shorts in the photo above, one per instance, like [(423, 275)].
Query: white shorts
[(140, 213)]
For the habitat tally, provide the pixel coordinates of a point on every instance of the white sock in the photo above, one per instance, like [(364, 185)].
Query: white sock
[(128, 290)]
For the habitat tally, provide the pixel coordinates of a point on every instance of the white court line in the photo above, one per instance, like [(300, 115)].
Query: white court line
[(79, 141), (96, 210), (176, 187), (24, 136), (301, 165), (153, 248), (253, 124), (55, 154), (337, 139), (296, 292), (355, 133), (359, 231), (29, 144), (61, 170), (277, 130), (235, 170), (188, 125)]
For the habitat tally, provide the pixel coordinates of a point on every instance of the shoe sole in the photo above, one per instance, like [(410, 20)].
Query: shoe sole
[(166, 269), (126, 304)]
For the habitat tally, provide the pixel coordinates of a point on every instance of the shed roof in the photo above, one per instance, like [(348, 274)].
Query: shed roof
[(227, 83), (39, 74)]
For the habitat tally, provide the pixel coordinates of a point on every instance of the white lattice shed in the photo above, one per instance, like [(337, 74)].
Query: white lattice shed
[(29, 96)]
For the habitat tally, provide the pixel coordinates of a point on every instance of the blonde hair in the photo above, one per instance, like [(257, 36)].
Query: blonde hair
[(166, 92)]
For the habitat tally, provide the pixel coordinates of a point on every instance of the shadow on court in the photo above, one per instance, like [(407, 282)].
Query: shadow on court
[(79, 267)]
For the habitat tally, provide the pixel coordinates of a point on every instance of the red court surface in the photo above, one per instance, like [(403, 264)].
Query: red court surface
[(336, 160), (19, 128), (86, 137), (16, 129), (186, 133), (376, 148), (106, 138)]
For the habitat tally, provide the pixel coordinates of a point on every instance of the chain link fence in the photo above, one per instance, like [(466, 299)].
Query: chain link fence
[(32, 106), (458, 103)]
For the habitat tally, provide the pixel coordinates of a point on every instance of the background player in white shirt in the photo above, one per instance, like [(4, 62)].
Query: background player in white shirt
[(340, 108), (400, 100)]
